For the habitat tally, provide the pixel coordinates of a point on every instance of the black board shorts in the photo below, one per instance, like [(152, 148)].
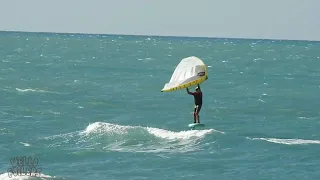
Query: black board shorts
[(197, 108)]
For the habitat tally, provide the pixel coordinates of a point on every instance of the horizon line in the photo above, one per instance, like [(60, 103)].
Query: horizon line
[(145, 35)]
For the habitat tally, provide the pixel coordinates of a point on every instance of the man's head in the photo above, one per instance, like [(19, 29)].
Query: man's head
[(197, 89)]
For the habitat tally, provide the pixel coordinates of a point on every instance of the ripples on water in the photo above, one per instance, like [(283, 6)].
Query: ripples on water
[(90, 107)]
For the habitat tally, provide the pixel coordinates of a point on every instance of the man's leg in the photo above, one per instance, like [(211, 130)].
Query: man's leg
[(197, 112), (194, 114)]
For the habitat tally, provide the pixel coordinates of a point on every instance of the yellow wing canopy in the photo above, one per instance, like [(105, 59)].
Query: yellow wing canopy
[(189, 72)]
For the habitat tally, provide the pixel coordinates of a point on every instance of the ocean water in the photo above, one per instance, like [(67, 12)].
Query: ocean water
[(90, 107)]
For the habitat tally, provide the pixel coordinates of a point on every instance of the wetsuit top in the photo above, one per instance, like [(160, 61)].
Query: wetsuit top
[(197, 97)]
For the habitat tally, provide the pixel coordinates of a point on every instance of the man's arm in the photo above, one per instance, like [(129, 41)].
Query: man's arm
[(191, 93)]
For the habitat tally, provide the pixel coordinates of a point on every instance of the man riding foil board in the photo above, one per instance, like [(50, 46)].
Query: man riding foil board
[(197, 103)]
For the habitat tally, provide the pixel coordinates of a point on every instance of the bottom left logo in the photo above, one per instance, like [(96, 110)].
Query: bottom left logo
[(24, 166)]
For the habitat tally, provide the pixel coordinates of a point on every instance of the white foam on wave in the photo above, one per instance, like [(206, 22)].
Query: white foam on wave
[(302, 117), (125, 138), (34, 90), (143, 139), (25, 144), (101, 127), (166, 134), (288, 141)]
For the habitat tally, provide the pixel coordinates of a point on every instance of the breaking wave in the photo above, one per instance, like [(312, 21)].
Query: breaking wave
[(114, 137)]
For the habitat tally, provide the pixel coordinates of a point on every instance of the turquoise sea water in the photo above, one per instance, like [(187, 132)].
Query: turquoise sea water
[(90, 107)]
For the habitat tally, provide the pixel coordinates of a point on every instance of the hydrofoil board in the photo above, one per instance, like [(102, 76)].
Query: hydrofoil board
[(196, 125)]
